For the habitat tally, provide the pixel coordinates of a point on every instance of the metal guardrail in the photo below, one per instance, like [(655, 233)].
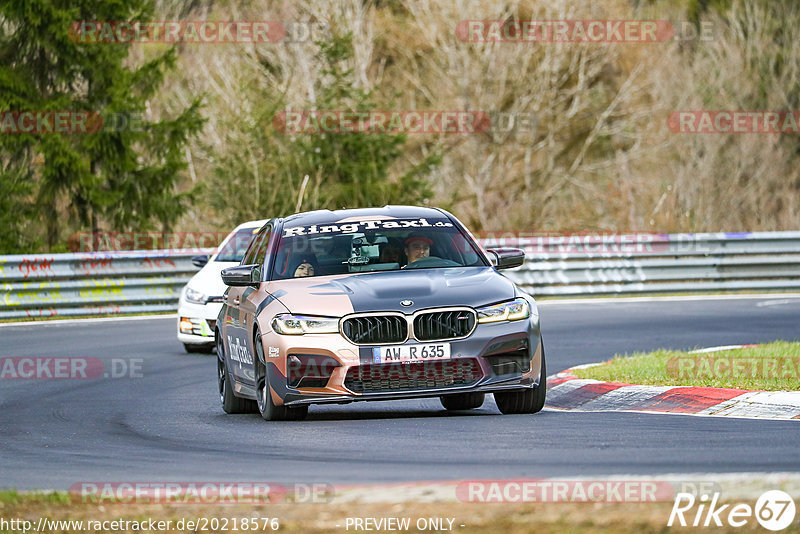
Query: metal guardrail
[(576, 265), (46, 285), (587, 264)]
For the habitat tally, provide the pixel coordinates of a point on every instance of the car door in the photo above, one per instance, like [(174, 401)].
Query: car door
[(237, 327), (249, 302)]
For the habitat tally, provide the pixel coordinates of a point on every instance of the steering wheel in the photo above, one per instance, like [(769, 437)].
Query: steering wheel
[(431, 261)]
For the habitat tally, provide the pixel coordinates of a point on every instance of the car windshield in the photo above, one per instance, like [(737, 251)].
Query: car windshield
[(234, 247), (369, 245)]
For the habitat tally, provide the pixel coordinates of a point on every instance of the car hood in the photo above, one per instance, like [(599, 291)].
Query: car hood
[(208, 280), (383, 291)]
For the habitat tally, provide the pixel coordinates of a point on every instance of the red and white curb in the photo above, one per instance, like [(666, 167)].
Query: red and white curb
[(569, 392)]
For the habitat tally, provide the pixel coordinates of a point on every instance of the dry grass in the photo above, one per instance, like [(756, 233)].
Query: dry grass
[(600, 156)]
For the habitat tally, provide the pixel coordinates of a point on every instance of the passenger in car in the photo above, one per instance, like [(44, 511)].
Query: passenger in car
[(305, 267), (390, 252)]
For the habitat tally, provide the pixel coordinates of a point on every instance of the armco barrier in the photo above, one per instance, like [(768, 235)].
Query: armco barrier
[(586, 264), (45, 285), (589, 264)]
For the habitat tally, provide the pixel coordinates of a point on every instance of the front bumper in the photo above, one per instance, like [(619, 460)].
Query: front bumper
[(307, 399), (203, 318), (488, 347)]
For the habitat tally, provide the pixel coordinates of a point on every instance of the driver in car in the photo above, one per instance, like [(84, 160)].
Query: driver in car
[(417, 247)]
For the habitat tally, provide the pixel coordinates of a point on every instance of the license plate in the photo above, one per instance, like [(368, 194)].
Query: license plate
[(411, 353)]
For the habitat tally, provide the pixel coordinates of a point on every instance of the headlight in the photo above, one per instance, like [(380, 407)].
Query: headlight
[(297, 325), (195, 296), (513, 310)]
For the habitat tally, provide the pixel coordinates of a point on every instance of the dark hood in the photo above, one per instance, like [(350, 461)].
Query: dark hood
[(427, 288)]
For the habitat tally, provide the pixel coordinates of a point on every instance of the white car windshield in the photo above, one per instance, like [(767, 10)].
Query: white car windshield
[(235, 246)]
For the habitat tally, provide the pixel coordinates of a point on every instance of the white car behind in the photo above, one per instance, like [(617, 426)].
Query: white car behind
[(201, 298)]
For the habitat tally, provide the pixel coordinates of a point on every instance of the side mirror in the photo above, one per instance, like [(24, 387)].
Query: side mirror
[(243, 275), (200, 261), (506, 258)]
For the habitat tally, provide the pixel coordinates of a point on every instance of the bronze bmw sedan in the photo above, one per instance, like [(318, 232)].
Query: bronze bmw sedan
[(375, 304)]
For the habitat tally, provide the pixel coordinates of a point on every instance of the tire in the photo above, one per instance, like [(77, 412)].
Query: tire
[(526, 401), (267, 409), (193, 348), (230, 402), (462, 401)]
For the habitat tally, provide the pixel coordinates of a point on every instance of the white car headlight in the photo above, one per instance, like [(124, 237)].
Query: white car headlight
[(195, 296), (297, 325), (513, 310)]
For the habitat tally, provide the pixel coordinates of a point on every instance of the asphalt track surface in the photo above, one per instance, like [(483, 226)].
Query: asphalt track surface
[(167, 425)]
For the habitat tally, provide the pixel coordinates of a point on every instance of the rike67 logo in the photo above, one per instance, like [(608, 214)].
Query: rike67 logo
[(774, 510)]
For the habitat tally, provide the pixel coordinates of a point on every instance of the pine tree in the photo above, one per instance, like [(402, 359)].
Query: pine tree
[(124, 175)]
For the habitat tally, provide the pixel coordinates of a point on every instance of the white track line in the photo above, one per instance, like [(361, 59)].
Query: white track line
[(681, 298), (59, 322)]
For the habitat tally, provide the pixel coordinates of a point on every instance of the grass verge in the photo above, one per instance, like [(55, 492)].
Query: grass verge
[(769, 367)]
